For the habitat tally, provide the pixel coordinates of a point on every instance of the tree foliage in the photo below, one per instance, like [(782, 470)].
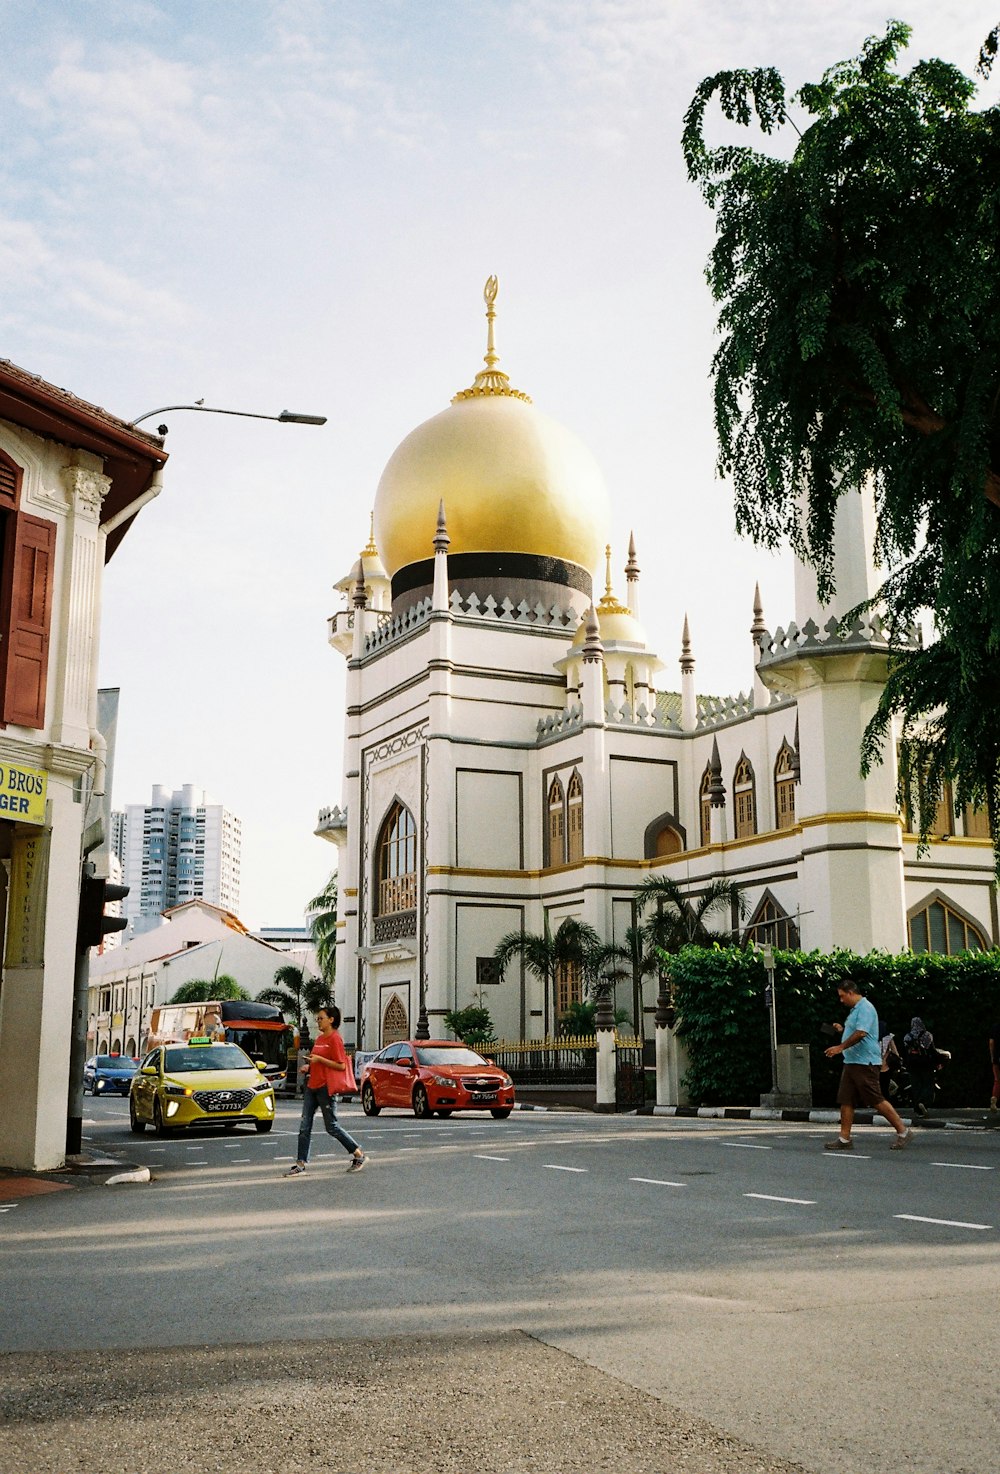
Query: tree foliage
[(859, 291), (473, 1025), (680, 917), (543, 954), (200, 990), (295, 992), (322, 913)]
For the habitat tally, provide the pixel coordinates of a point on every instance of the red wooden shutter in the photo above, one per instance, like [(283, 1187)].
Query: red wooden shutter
[(10, 481), (27, 651)]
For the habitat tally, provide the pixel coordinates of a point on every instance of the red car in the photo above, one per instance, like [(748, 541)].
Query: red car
[(431, 1076)]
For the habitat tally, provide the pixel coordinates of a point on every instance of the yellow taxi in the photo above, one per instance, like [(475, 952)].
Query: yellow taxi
[(199, 1083)]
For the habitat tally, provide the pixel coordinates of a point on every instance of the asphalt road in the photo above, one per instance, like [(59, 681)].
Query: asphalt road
[(836, 1310)]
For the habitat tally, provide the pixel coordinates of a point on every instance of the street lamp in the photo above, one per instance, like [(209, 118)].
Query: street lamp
[(287, 416)]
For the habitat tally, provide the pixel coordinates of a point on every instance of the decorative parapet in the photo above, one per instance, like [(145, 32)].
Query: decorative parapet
[(555, 616), (862, 634), (392, 627), (559, 724), (657, 720), (715, 711)]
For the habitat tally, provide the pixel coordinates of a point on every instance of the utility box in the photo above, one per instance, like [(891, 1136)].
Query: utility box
[(794, 1090)]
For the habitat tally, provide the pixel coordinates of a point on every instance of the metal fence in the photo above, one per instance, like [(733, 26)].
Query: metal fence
[(630, 1074), (566, 1061)]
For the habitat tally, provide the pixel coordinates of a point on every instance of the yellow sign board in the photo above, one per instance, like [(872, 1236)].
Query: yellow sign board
[(22, 793)]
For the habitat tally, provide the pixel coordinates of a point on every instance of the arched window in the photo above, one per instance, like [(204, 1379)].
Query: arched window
[(771, 925), (935, 926), (394, 1023), (667, 842), (569, 985), (705, 806), (557, 824), (745, 798), (396, 871), (784, 788), (574, 819)]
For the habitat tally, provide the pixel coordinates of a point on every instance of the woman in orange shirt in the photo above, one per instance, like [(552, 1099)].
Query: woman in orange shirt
[(328, 1074)]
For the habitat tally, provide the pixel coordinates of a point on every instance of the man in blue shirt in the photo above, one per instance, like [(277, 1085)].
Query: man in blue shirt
[(860, 1083)]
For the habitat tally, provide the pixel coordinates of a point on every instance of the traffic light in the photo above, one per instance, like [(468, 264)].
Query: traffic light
[(95, 893)]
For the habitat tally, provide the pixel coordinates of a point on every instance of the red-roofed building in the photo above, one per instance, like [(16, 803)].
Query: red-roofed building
[(72, 478)]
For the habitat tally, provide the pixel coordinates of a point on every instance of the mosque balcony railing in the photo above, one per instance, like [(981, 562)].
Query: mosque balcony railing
[(863, 634), (396, 927), (551, 616), (331, 820), (392, 628)]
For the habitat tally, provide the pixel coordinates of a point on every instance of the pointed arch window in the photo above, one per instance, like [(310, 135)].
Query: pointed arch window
[(784, 788), (556, 833), (396, 861), (569, 985), (574, 819), (745, 798), (771, 925), (936, 926), (705, 806)]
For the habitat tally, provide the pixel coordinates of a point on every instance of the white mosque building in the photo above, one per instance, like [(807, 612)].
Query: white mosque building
[(516, 753)]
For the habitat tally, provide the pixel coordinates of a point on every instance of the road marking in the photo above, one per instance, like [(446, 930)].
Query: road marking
[(943, 1222), (157, 1148), (770, 1198), (553, 1167), (238, 1161), (282, 1159), (747, 1146), (857, 1156), (965, 1166), (481, 1158), (658, 1182)]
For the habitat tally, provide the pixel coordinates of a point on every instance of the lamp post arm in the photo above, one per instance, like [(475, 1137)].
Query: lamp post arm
[(287, 417)]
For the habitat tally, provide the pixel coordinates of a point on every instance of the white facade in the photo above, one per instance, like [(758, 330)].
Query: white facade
[(190, 942), (178, 847), (513, 755)]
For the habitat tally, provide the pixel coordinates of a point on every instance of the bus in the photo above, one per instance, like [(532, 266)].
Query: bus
[(258, 1028)]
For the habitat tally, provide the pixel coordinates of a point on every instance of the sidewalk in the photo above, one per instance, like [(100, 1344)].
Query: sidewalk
[(496, 1404)]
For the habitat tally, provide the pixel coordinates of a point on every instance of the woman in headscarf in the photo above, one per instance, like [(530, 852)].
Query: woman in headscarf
[(921, 1061)]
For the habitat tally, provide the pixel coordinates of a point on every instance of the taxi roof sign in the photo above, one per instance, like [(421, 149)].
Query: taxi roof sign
[(199, 1039)]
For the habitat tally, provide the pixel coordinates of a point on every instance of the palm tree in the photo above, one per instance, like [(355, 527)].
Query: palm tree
[(295, 992), (200, 990), (322, 914), (543, 955), (680, 918)]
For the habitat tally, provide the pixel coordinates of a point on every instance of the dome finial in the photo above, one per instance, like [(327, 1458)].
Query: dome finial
[(609, 604), (371, 551), (490, 380)]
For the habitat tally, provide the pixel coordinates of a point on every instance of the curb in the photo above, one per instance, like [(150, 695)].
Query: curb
[(820, 1117)]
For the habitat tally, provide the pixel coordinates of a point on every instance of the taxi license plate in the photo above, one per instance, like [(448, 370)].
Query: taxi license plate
[(228, 1105), (485, 1095)]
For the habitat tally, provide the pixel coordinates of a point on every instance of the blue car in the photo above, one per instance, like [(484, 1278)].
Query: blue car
[(104, 1073)]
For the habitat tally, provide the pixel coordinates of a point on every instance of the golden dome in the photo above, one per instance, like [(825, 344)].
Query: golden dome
[(511, 479), (618, 625)]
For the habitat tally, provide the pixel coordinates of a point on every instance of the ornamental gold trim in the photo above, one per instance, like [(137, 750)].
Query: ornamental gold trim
[(491, 382)]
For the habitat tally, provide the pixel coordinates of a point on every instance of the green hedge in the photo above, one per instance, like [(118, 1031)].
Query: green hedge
[(719, 995)]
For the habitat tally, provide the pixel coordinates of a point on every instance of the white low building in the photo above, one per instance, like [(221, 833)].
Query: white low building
[(192, 942), (514, 754), (72, 477)]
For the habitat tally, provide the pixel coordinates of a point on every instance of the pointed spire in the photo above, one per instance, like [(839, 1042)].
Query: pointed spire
[(441, 538), (370, 551), (593, 650), (716, 788), (632, 566), (609, 603), (796, 763), (490, 380), (360, 592), (687, 659), (758, 629)]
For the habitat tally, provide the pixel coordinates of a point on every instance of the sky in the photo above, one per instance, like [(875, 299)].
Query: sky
[(294, 204)]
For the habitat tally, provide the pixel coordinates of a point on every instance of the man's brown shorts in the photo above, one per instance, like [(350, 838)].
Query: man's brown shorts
[(860, 1085)]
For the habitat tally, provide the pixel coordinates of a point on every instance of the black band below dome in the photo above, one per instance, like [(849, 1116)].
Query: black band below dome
[(489, 568)]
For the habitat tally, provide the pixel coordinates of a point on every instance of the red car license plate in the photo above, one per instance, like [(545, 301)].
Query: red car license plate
[(485, 1095)]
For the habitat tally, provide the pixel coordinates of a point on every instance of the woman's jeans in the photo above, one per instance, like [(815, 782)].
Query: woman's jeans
[(313, 1097)]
